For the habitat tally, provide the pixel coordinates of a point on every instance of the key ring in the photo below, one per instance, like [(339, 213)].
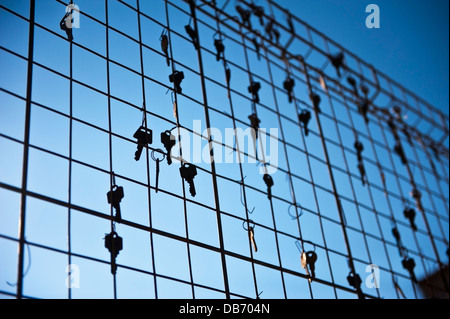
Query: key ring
[(298, 215), (251, 224), (159, 151)]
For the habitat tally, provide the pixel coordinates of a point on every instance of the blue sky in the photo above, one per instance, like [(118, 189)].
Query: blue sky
[(401, 49), (411, 46)]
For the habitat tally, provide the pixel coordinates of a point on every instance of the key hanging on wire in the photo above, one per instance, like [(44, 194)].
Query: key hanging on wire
[(338, 62), (251, 233), (254, 89), (398, 239), (188, 172), (245, 16), (157, 161), (304, 117), (352, 82), (417, 195), (400, 152), (410, 214), (168, 140), (257, 47), (114, 244), (316, 99), (220, 49), (288, 85), (114, 197), (269, 183), (258, 11), (193, 35), (409, 264), (165, 46), (176, 78), (144, 137)]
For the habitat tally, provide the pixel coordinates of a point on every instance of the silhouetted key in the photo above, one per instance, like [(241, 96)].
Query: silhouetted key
[(176, 78), (188, 172), (410, 213), (338, 62), (165, 47), (311, 258), (257, 48), (254, 123), (259, 12), (364, 109), (362, 173), (220, 48), (251, 234), (315, 99), (168, 140), (245, 16), (396, 235), (354, 280), (400, 152), (352, 83), (269, 183), (304, 117), (64, 27), (144, 137), (409, 264), (114, 244), (288, 85), (193, 35), (114, 198), (359, 147), (253, 89)]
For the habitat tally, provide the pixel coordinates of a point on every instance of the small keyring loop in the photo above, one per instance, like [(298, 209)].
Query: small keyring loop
[(250, 223), (298, 215), (157, 159)]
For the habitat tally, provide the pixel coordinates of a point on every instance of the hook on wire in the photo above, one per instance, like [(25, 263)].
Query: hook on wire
[(241, 183), (297, 215)]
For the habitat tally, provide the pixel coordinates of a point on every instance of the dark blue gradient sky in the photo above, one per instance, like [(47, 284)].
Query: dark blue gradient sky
[(411, 46)]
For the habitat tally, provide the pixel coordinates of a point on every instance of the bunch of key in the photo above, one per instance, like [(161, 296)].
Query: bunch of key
[(114, 197), (308, 260), (144, 137), (114, 243), (188, 172)]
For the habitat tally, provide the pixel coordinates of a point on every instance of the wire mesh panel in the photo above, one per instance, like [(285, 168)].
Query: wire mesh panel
[(210, 149)]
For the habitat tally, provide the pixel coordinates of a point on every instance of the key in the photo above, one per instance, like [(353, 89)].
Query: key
[(168, 140), (144, 137), (254, 123), (288, 85), (304, 262), (64, 27), (315, 99), (352, 83), (251, 234), (114, 198), (359, 147), (364, 109), (400, 152), (396, 235), (269, 183), (253, 89), (410, 213), (362, 173), (417, 195), (157, 160), (114, 244), (354, 280), (269, 29), (364, 90), (304, 117), (311, 258), (193, 35), (188, 172), (409, 264), (338, 62), (176, 78), (259, 12), (165, 47), (257, 48), (220, 48), (245, 16)]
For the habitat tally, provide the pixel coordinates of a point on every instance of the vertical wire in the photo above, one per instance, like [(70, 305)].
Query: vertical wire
[(287, 158), (112, 177), (146, 149), (169, 31), (26, 145), (397, 178), (69, 210)]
